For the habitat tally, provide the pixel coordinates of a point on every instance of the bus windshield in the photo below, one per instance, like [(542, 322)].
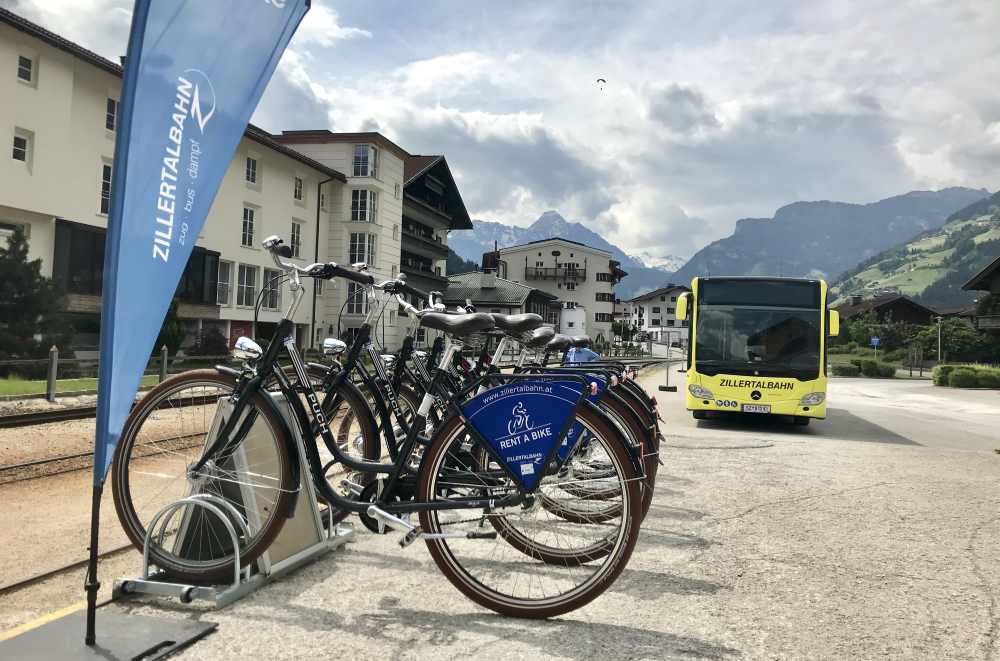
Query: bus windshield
[(764, 328)]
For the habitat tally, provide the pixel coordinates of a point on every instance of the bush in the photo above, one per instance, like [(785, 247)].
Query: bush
[(211, 342), (852, 347), (989, 378), (836, 350), (872, 368), (844, 369), (963, 377), (856, 362), (896, 355), (941, 374)]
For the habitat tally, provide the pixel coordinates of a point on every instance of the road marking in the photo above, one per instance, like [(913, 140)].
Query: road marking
[(44, 619)]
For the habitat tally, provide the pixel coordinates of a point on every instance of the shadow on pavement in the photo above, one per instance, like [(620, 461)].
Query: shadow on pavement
[(559, 638), (840, 425), (645, 584)]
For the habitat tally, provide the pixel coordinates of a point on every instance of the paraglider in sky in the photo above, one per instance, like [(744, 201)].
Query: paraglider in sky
[(601, 83)]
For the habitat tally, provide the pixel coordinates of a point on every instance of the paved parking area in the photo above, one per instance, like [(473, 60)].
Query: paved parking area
[(856, 538)]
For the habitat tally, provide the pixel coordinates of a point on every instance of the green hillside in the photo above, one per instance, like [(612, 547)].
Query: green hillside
[(933, 266)]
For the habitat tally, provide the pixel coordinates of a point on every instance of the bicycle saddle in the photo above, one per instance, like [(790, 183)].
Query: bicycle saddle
[(539, 337), (559, 342), (517, 323), (580, 341), (457, 324)]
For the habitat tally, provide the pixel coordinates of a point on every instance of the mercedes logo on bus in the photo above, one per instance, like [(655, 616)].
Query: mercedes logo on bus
[(755, 395)]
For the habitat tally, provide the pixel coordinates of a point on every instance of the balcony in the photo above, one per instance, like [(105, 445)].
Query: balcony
[(426, 240), (988, 322), (419, 269), (563, 273)]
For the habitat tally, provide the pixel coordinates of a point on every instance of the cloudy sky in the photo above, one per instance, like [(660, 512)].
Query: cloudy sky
[(711, 111)]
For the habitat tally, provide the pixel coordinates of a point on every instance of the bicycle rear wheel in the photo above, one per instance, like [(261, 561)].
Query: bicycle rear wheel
[(163, 437), (538, 565)]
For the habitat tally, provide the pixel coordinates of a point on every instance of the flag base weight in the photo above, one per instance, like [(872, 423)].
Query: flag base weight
[(122, 637)]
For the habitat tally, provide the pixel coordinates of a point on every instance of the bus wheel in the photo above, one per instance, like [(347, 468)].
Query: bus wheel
[(802, 420), (699, 415)]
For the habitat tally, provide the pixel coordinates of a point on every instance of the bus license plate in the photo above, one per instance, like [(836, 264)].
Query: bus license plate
[(756, 408)]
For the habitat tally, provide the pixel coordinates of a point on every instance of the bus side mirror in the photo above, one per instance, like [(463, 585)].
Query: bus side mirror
[(682, 307), (833, 325)]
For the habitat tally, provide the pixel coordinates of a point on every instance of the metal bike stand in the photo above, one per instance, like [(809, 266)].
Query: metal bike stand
[(304, 537)]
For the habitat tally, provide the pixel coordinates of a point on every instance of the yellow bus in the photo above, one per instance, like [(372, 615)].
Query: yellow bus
[(758, 345)]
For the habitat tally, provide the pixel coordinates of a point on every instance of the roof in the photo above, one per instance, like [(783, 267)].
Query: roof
[(658, 292), (507, 292), (323, 136), (555, 238), (416, 165), (981, 280), (252, 132), (874, 304)]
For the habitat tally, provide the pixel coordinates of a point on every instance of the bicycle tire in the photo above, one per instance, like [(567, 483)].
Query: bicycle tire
[(130, 518)]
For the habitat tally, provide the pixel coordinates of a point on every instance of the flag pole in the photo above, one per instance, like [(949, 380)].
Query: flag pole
[(92, 585)]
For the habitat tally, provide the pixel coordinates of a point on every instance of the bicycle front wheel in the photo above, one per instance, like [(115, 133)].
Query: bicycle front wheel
[(534, 564), (164, 437)]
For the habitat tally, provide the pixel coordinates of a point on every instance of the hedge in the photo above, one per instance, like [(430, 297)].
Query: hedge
[(966, 376), (872, 368), (845, 369), (963, 377)]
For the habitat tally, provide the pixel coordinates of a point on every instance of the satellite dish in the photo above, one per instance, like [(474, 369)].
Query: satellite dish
[(556, 253)]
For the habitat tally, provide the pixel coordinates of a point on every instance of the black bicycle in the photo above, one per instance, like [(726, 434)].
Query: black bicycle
[(477, 485)]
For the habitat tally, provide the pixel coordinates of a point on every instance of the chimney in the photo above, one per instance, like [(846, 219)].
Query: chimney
[(489, 280)]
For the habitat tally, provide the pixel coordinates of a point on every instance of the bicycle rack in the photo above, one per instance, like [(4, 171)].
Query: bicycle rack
[(296, 551)]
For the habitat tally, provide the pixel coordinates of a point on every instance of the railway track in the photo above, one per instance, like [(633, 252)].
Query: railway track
[(43, 417)]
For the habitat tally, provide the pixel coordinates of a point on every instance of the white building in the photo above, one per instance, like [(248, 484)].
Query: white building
[(333, 197), (655, 314), (580, 276)]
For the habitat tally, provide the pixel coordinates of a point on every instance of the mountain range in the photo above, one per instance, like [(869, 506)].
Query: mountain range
[(933, 266), (824, 239), (645, 272)]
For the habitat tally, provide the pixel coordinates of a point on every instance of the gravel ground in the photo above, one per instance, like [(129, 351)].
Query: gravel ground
[(764, 541)]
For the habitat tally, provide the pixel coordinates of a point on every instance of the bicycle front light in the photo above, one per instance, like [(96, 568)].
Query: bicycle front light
[(813, 399), (699, 392)]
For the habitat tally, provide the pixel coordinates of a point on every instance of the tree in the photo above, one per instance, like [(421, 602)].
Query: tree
[(172, 330), (29, 303), (456, 264)]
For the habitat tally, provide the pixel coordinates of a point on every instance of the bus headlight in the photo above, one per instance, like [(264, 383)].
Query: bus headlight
[(699, 392), (813, 399)]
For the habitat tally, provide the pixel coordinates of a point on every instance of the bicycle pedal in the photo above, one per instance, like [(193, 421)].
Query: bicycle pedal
[(481, 535)]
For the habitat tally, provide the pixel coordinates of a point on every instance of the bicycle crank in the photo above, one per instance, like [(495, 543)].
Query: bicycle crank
[(413, 533)]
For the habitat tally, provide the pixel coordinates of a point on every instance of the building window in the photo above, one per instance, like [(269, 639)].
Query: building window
[(362, 248), (246, 285), (224, 287), (654, 322), (395, 232), (363, 206), (670, 310), (322, 200), (663, 298), (397, 191), (673, 299), (656, 310), (571, 285), (603, 317), (271, 290), (605, 277), (22, 147), (25, 68), (251, 174), (296, 239), (394, 272), (357, 301), (605, 297), (111, 115), (365, 161), (319, 286), (248, 222), (297, 192), (670, 322), (105, 188)]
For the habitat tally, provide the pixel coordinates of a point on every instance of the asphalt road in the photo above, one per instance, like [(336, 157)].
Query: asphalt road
[(869, 535)]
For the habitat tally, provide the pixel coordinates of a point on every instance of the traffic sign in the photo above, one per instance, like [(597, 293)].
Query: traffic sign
[(876, 341)]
